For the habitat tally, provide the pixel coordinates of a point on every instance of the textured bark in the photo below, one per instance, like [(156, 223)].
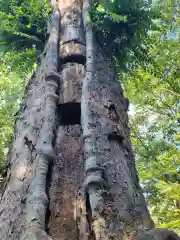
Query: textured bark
[(72, 173), (67, 170), (116, 200), (24, 202)]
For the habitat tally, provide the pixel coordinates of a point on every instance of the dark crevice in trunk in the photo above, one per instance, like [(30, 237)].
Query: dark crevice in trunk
[(114, 136), (59, 67), (48, 184), (89, 218), (75, 58), (73, 41), (69, 113)]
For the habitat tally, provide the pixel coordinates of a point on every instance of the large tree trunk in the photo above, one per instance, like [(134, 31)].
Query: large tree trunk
[(71, 169)]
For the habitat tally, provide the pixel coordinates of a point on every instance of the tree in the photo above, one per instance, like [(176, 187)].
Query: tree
[(71, 116)]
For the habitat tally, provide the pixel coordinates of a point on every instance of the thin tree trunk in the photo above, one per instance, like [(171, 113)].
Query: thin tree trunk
[(72, 172)]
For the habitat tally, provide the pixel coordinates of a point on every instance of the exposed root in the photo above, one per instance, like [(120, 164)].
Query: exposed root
[(155, 234)]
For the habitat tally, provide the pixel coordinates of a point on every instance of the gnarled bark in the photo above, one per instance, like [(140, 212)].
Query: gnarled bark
[(116, 200), (24, 202)]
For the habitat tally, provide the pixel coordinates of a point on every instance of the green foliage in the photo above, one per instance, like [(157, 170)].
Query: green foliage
[(156, 145), (23, 33), (154, 92), (122, 28), (23, 24), (13, 79)]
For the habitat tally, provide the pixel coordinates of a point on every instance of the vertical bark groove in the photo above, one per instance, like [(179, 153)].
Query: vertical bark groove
[(67, 167)]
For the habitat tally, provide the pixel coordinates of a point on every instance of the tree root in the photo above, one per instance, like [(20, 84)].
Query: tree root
[(155, 234)]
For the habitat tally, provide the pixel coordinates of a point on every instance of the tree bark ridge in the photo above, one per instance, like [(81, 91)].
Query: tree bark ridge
[(37, 201)]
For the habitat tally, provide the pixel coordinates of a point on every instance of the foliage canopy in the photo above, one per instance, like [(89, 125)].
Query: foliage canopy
[(122, 28), (23, 24)]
